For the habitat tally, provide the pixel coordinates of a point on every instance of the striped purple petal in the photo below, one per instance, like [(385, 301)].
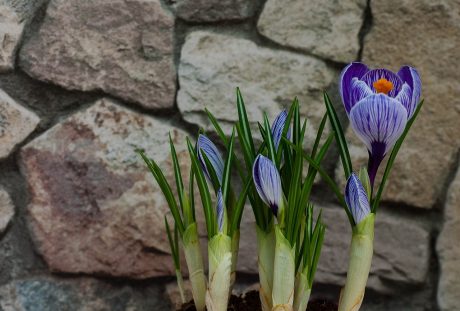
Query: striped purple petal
[(353, 70), (356, 199), (268, 182), (220, 210), (410, 76), (374, 75), (358, 90), (405, 98), (205, 145), (278, 127), (378, 120)]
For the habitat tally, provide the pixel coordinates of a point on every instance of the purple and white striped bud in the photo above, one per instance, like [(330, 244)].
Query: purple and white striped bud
[(356, 199), (278, 127), (206, 146), (268, 183)]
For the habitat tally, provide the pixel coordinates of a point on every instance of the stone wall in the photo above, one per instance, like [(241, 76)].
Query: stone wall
[(84, 83)]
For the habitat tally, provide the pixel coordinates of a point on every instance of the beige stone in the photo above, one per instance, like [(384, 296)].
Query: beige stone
[(328, 29), (213, 65), (16, 123)]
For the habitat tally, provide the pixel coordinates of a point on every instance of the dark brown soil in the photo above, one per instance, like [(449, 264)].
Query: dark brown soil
[(250, 302)]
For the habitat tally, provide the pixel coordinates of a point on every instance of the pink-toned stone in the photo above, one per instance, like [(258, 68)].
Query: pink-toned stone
[(94, 206), (16, 123), (124, 48)]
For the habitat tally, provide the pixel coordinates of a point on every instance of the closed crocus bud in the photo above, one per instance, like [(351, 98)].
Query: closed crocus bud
[(278, 127), (206, 146), (357, 199), (268, 183)]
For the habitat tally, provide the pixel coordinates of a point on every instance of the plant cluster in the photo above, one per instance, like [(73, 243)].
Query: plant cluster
[(276, 176)]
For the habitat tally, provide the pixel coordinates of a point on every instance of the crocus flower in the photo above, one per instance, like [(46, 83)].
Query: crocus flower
[(268, 182), (206, 146), (378, 103), (278, 127), (220, 210), (356, 199)]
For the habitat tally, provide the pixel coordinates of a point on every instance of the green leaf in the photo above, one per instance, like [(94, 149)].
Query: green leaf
[(165, 188), (318, 238), (318, 135), (172, 245), (239, 207), (296, 130), (243, 121), (268, 138), (191, 189), (339, 136), (227, 169), (392, 158), (217, 127), (224, 140), (211, 222), (177, 174), (246, 150)]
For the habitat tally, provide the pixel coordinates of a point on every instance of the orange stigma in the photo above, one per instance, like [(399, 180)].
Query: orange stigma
[(383, 86)]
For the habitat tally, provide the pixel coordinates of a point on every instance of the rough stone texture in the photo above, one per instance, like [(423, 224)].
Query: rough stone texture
[(83, 294), (16, 123), (10, 35), (94, 206), (432, 38), (328, 29), (172, 294), (214, 10), (14, 15), (396, 259), (449, 251), (6, 209), (124, 48), (213, 65)]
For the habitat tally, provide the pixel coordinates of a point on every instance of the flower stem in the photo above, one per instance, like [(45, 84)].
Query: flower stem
[(361, 251)]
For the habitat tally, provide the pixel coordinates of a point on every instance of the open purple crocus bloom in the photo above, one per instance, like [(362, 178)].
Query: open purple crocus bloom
[(378, 103), (356, 199), (205, 145), (268, 182)]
